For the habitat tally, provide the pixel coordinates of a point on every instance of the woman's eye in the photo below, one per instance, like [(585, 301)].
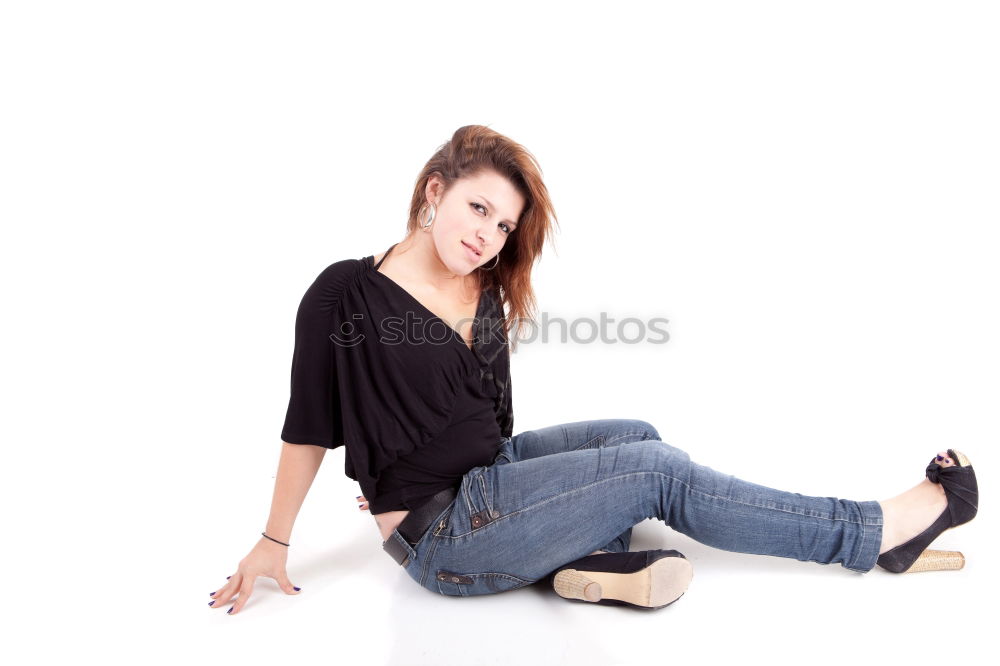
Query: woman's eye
[(506, 227)]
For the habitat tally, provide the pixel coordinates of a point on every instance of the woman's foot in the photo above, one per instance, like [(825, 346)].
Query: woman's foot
[(907, 515)]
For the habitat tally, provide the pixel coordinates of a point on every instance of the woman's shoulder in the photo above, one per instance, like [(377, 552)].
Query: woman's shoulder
[(332, 281), (341, 270)]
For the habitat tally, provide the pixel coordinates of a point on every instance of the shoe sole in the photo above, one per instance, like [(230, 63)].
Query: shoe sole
[(661, 583)]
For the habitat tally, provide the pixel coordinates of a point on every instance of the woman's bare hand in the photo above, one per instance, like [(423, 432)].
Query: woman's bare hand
[(362, 503), (266, 559)]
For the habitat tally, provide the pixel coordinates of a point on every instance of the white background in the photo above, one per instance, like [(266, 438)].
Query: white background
[(807, 191)]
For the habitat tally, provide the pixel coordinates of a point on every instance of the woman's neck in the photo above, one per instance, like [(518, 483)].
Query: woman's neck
[(417, 258)]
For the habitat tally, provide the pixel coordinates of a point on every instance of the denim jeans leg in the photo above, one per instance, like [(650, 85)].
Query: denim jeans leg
[(588, 434), (512, 524)]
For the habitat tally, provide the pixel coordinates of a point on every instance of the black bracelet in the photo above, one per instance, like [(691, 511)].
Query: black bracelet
[(274, 540)]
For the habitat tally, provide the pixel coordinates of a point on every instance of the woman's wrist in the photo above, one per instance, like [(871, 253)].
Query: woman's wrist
[(273, 539), (279, 527)]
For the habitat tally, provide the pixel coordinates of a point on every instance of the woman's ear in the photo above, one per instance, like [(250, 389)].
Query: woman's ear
[(434, 189)]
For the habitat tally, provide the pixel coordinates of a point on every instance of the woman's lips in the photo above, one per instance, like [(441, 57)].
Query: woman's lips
[(472, 253)]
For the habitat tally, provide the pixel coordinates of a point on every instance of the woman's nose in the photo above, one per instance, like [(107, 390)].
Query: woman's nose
[(485, 235)]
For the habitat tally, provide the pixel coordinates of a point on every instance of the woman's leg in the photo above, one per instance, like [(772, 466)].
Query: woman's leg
[(589, 434), (534, 515)]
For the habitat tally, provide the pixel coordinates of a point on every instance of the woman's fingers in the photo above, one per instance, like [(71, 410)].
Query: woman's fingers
[(286, 585), (246, 589), (222, 596), (244, 586), (362, 502)]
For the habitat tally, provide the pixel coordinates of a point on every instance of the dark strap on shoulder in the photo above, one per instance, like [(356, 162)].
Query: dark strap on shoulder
[(384, 256)]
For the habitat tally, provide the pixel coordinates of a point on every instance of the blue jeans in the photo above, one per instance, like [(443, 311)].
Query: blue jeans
[(559, 493)]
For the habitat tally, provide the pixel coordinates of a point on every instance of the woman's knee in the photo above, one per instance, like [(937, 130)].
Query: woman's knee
[(657, 455), (650, 432)]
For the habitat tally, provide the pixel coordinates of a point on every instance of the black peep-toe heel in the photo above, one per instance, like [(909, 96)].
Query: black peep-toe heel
[(962, 491)]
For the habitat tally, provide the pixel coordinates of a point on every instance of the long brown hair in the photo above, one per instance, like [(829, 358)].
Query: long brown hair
[(471, 150)]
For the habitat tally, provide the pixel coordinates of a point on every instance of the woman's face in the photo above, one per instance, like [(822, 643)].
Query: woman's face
[(474, 219)]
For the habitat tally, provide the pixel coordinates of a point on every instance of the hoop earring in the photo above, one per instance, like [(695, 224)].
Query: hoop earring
[(430, 218), (495, 262)]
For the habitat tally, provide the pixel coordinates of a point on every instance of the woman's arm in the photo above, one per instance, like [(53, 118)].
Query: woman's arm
[(296, 471)]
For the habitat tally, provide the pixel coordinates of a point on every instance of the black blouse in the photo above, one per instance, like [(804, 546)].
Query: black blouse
[(375, 370)]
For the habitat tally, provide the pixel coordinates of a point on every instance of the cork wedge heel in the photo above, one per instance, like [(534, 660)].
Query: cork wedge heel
[(645, 579)]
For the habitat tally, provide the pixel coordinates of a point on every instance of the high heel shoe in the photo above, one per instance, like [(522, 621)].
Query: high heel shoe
[(962, 491), (646, 579)]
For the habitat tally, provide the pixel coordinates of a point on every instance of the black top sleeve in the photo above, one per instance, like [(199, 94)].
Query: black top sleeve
[(313, 415)]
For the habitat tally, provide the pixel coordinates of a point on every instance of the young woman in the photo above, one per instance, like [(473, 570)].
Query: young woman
[(403, 358)]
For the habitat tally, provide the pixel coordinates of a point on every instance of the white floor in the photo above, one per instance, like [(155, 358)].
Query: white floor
[(359, 607)]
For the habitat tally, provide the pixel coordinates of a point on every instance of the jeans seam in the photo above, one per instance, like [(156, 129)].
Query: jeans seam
[(852, 565), (486, 500), (867, 536), (430, 542), (629, 474), (500, 574), (428, 558), (467, 494)]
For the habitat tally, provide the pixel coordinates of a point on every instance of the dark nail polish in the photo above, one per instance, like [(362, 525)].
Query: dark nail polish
[(211, 602), (211, 594), (228, 577), (296, 588), (939, 458), (230, 610)]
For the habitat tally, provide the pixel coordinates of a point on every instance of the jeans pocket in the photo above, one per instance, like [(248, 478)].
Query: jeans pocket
[(457, 584)]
